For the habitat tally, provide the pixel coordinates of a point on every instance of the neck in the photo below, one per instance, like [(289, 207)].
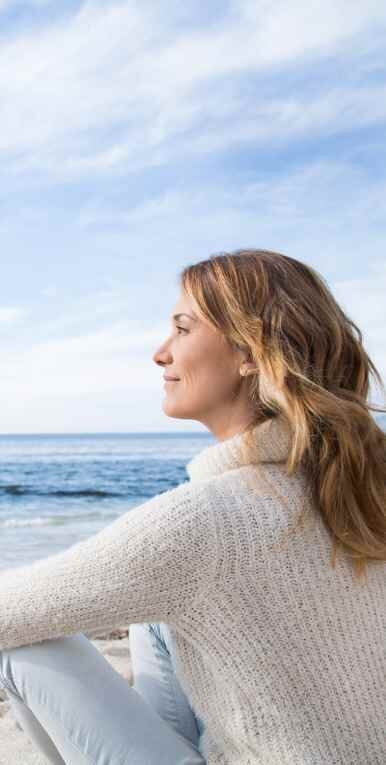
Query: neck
[(229, 424)]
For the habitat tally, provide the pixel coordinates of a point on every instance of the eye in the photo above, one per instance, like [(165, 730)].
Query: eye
[(182, 329)]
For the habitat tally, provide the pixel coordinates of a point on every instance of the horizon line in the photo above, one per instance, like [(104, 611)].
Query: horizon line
[(114, 433), (381, 415)]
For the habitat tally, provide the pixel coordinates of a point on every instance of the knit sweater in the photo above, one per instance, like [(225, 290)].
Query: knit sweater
[(282, 656)]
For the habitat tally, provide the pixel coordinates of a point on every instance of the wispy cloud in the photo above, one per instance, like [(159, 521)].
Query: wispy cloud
[(137, 137), (110, 88), (281, 197), (322, 211)]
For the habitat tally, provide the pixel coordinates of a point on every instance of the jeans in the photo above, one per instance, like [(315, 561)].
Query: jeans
[(79, 711)]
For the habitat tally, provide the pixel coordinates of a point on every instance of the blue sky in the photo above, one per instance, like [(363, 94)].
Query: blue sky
[(138, 137)]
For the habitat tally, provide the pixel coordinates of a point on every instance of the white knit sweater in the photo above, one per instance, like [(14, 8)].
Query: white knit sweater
[(282, 656)]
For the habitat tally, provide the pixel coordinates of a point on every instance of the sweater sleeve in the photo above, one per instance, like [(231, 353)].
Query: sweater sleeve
[(150, 564)]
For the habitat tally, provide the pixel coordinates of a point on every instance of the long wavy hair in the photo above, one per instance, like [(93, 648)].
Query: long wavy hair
[(311, 365)]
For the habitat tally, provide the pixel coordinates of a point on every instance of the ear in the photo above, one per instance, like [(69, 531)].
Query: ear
[(247, 368), (245, 361)]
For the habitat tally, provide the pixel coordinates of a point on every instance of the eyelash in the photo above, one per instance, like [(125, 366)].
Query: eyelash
[(182, 329)]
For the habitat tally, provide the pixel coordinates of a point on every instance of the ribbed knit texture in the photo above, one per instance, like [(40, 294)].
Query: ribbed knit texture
[(281, 656)]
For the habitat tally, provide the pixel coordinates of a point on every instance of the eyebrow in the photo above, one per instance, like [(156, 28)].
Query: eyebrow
[(177, 316)]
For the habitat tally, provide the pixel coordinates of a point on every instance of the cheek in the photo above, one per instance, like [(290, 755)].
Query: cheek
[(208, 369)]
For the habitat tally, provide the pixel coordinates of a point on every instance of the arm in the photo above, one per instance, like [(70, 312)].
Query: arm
[(148, 565)]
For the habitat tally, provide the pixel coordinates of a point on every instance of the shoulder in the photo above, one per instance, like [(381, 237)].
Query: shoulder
[(264, 491), (186, 492), (231, 485), (266, 486)]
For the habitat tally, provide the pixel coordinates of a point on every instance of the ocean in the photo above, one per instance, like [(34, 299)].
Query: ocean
[(58, 489)]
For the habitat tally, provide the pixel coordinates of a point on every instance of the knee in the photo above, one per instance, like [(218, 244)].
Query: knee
[(138, 635), (31, 653)]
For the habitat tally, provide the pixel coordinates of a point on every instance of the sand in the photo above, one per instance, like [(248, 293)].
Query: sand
[(15, 746)]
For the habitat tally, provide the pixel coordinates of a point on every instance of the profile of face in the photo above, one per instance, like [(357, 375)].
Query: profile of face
[(207, 385)]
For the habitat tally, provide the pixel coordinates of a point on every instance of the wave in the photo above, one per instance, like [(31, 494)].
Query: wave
[(53, 520), (17, 490), (38, 521)]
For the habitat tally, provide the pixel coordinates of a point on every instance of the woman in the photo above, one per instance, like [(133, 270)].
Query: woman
[(251, 640)]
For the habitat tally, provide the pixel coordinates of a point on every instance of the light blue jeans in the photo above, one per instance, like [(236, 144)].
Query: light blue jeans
[(79, 711)]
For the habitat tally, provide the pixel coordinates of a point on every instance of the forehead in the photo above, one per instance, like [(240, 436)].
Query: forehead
[(185, 305)]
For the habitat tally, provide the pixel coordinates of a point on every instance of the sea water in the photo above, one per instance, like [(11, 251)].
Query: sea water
[(56, 490)]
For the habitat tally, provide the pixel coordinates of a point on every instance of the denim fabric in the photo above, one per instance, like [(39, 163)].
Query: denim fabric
[(79, 711), (155, 655)]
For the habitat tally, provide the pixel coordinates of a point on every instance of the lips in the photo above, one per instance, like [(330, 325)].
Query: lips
[(171, 379)]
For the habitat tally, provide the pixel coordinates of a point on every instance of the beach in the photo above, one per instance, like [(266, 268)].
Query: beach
[(15, 746)]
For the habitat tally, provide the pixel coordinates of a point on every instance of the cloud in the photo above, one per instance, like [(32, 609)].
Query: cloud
[(11, 315), (116, 86), (330, 203), (363, 299), (34, 4), (85, 367), (115, 358), (218, 127)]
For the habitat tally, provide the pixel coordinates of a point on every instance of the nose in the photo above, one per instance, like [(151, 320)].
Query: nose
[(162, 356)]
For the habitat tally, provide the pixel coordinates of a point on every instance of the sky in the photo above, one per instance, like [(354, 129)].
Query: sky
[(139, 137)]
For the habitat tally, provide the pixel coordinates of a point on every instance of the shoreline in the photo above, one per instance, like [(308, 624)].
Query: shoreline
[(15, 746)]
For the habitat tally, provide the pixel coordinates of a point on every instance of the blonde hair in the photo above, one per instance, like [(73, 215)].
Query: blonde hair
[(311, 366)]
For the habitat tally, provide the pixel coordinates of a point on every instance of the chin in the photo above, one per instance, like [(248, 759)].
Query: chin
[(175, 412)]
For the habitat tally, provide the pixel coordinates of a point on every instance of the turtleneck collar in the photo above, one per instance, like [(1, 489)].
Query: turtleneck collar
[(272, 440)]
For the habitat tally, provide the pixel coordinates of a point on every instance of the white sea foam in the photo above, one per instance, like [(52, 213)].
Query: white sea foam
[(55, 520), (40, 520)]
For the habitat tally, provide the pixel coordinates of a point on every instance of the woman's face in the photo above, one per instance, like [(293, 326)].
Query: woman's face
[(208, 385)]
